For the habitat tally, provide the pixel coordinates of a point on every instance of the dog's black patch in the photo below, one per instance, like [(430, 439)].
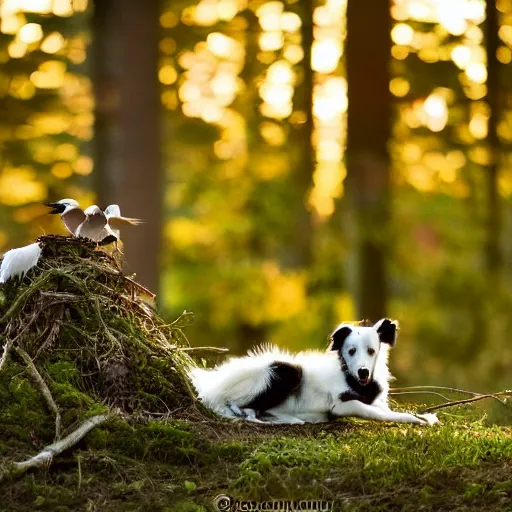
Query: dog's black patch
[(338, 337), (285, 381), (366, 394), (387, 332)]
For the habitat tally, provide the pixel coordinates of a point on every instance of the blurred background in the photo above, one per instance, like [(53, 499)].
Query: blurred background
[(290, 177)]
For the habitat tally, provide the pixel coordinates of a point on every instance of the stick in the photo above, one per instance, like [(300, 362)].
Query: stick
[(45, 456), (43, 388), (466, 401), (454, 390), (207, 349)]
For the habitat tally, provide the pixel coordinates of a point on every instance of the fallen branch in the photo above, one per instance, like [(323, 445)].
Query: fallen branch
[(205, 349), (467, 401), (46, 455), (43, 388)]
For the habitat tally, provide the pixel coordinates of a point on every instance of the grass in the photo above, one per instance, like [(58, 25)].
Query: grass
[(182, 465), (99, 349)]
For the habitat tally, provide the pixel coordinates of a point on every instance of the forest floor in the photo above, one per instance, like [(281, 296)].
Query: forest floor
[(178, 465), (80, 341)]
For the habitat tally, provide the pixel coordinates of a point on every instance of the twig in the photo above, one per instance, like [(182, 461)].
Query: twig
[(394, 393), (140, 287), (206, 349), (43, 388), (465, 401), (454, 390), (46, 455)]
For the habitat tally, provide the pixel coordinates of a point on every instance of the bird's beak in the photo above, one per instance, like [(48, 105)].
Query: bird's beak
[(56, 208)]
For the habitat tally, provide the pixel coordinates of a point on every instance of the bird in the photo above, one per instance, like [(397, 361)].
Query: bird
[(115, 221), (70, 212), (17, 262), (93, 223)]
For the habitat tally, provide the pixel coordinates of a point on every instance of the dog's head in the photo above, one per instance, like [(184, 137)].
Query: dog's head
[(360, 346)]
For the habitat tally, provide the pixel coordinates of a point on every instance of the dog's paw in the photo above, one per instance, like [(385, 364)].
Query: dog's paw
[(428, 418)]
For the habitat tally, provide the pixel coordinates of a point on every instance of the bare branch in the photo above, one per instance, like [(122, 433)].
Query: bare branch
[(43, 388), (46, 455)]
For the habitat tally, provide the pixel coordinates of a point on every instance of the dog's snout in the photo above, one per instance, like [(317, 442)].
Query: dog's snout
[(363, 373)]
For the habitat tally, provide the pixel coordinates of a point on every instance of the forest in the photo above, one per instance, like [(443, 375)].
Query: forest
[(290, 178)]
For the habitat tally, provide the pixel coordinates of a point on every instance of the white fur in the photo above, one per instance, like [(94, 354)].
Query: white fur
[(226, 388), (17, 262)]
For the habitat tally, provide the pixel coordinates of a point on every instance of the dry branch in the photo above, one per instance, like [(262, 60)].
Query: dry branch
[(45, 456), (43, 388)]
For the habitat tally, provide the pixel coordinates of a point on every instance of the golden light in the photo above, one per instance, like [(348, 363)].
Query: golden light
[(276, 94), (169, 20), (437, 112), (272, 133), (325, 55), (223, 46), (205, 13), (281, 73), (290, 22), (270, 22), (293, 53), (227, 10), (452, 17), (50, 75), (402, 34), (400, 52), (66, 152), (10, 24), (53, 43), (80, 5), (505, 34), (477, 72), (461, 56), (504, 55), (62, 8), (62, 170), (271, 41), (35, 6), (478, 126), (167, 75), (30, 33), (19, 185), (17, 49), (399, 87)]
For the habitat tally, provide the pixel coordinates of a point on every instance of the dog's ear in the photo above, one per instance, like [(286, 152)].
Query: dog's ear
[(387, 329), (339, 336)]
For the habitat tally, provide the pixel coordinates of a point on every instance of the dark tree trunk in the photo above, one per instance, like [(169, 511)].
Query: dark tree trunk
[(368, 175), (127, 126), (494, 256), (299, 251)]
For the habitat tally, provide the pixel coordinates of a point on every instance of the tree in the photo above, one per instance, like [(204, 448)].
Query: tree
[(127, 142), (368, 176), (494, 257)]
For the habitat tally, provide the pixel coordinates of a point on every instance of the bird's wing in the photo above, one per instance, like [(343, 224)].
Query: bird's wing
[(93, 226), (72, 219), (119, 222)]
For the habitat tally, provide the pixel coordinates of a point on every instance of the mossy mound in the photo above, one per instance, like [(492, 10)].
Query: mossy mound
[(94, 333)]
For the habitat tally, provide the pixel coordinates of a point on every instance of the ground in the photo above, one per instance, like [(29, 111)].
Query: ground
[(81, 341), (172, 465)]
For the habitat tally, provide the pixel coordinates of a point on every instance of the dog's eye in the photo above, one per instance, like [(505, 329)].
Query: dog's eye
[(352, 351), (371, 351)]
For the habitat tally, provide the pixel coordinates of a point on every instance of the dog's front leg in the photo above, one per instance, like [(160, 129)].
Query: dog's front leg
[(383, 413)]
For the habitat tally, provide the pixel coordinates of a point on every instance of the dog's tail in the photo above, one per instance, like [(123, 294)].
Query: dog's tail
[(237, 381)]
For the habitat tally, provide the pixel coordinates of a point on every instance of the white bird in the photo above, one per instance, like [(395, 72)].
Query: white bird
[(116, 221), (95, 226), (102, 227), (17, 262), (70, 212)]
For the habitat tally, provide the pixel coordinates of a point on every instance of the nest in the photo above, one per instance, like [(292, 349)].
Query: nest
[(92, 334)]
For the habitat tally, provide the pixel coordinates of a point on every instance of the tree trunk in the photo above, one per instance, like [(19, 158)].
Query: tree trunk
[(493, 256), (299, 252), (368, 174), (127, 126)]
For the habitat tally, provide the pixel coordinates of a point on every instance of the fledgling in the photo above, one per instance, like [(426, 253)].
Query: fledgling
[(270, 385)]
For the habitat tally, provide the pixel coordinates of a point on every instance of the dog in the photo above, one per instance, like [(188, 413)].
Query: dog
[(270, 385)]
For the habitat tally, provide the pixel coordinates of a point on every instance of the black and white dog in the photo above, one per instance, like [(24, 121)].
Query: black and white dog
[(273, 386)]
